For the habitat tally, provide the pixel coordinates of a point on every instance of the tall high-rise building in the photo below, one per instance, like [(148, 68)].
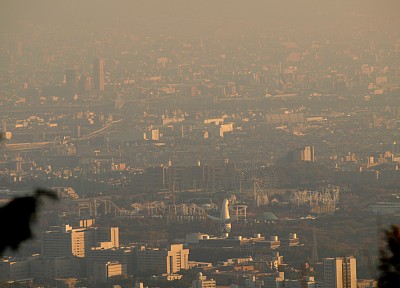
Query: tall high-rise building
[(98, 74), (349, 272), (340, 272)]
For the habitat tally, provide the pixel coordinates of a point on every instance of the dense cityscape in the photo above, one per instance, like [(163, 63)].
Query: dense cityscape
[(192, 150)]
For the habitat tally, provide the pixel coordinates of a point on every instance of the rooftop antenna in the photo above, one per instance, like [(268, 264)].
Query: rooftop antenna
[(173, 197)]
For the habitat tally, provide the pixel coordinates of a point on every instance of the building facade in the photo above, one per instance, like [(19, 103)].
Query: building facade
[(203, 282), (161, 261), (67, 241), (340, 272)]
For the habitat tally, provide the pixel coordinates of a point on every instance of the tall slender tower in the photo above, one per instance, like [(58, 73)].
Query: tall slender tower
[(314, 257), (98, 74)]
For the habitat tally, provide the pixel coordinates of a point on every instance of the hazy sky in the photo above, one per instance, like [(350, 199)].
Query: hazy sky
[(194, 16)]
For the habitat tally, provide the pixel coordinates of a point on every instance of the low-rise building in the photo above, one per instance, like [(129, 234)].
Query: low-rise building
[(170, 260), (203, 282)]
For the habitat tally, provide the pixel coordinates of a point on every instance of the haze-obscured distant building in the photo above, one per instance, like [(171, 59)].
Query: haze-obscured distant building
[(85, 83), (98, 74), (302, 154)]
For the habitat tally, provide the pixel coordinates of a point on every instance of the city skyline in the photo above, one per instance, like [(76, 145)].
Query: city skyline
[(278, 119)]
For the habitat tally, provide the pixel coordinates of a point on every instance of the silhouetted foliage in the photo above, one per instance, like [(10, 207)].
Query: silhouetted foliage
[(389, 266), (17, 216)]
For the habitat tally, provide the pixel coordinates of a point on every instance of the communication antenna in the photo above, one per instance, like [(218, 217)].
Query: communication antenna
[(314, 257)]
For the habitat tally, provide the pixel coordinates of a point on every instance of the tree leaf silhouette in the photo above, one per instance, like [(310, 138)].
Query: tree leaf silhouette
[(17, 216), (390, 259)]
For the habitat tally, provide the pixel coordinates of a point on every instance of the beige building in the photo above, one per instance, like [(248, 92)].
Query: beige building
[(224, 128), (161, 261), (105, 234), (203, 282), (340, 272), (104, 271), (306, 153), (349, 268), (100, 256), (68, 241), (155, 134)]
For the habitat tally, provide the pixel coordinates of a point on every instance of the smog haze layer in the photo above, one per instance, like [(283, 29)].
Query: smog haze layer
[(302, 17)]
